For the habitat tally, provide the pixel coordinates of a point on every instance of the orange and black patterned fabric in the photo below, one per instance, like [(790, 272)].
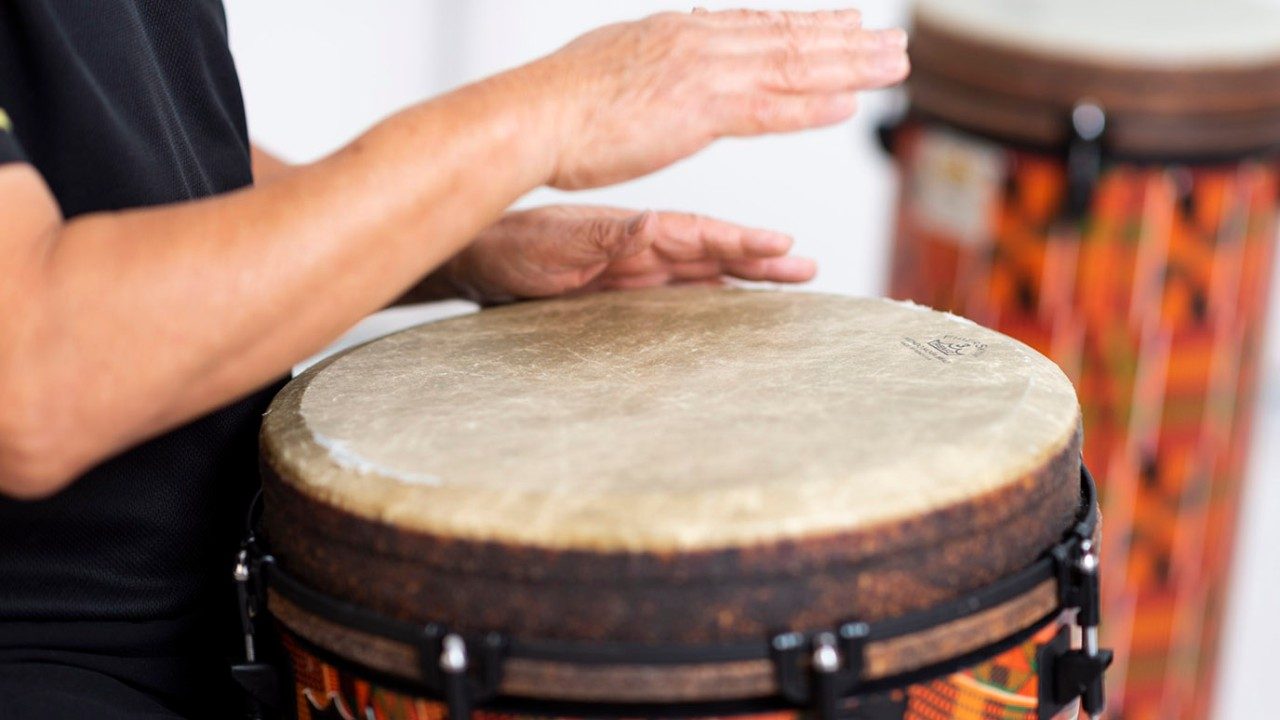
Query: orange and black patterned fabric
[(1002, 688), (1154, 305)]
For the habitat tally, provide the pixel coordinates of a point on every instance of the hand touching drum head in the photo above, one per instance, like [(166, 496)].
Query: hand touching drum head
[(566, 248), (638, 96)]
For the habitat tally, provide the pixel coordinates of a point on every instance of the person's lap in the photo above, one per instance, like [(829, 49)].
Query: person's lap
[(48, 691)]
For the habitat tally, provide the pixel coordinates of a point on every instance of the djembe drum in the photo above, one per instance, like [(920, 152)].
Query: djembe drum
[(1097, 179), (691, 502)]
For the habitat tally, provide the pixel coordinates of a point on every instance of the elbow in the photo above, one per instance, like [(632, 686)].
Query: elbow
[(30, 469), (34, 457), (30, 484)]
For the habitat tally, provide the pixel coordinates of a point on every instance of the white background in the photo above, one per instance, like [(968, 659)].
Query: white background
[(317, 73)]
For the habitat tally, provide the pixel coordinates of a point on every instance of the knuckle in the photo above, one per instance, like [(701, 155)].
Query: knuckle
[(763, 113), (790, 63), (665, 20), (680, 40), (787, 68), (664, 29)]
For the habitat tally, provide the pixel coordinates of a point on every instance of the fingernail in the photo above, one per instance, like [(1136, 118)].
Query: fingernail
[(767, 243), (894, 38)]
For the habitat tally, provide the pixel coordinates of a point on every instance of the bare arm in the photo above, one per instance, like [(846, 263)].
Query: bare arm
[(118, 326), (267, 166)]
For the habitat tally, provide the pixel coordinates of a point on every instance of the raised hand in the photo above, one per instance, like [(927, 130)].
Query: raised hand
[(631, 98), (561, 249)]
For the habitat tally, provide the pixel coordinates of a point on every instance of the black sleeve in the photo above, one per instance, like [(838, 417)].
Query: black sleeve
[(10, 150)]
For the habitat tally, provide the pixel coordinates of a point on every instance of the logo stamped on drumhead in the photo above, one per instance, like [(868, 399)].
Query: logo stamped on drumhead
[(947, 348)]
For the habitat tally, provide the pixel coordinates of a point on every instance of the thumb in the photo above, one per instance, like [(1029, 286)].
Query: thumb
[(615, 238)]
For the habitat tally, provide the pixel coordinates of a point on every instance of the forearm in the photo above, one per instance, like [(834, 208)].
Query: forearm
[(157, 316), (267, 166)]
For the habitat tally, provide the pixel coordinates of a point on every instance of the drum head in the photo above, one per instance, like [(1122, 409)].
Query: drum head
[(672, 420)]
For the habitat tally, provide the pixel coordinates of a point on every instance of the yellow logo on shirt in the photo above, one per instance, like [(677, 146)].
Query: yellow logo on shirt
[(4, 121)]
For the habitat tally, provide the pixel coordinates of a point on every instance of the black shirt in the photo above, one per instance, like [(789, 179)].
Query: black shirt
[(125, 574)]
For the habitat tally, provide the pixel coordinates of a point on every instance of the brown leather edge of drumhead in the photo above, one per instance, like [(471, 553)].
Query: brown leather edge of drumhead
[(1152, 110), (678, 683), (690, 597)]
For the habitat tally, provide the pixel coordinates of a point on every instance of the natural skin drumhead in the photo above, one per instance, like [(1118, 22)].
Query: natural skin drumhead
[(670, 419)]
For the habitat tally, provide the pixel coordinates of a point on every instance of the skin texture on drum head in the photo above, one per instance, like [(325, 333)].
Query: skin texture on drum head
[(1156, 32), (671, 420)]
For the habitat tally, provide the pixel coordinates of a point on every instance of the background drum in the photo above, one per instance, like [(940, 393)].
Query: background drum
[(695, 502), (1098, 179)]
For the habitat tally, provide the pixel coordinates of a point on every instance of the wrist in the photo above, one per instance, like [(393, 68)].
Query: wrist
[(545, 113)]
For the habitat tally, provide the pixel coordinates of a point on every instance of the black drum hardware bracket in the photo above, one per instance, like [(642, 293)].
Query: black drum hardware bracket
[(819, 670), (1084, 153)]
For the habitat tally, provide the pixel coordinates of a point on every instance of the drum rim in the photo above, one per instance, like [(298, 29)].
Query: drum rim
[(1153, 111), (1053, 566), (947, 15)]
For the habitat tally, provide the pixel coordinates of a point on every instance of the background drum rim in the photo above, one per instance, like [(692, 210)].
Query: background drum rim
[(1152, 110)]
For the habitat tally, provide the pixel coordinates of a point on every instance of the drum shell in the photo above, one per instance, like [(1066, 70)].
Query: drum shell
[(655, 598)]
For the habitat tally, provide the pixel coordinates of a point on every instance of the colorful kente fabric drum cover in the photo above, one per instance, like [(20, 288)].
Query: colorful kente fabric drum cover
[(1097, 180)]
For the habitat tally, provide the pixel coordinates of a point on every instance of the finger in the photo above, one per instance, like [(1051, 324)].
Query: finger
[(782, 270), (636, 282), (789, 269), (808, 38), (697, 270), (757, 114), (644, 263), (708, 282), (845, 17), (685, 237), (829, 72), (865, 64)]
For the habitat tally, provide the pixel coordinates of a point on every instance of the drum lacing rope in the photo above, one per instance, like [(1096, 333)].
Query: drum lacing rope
[(818, 670)]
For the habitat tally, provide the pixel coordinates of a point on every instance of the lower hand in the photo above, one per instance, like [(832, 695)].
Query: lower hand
[(563, 249)]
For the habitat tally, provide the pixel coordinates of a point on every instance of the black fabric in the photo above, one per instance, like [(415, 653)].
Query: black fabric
[(10, 151), (49, 690), (120, 104)]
